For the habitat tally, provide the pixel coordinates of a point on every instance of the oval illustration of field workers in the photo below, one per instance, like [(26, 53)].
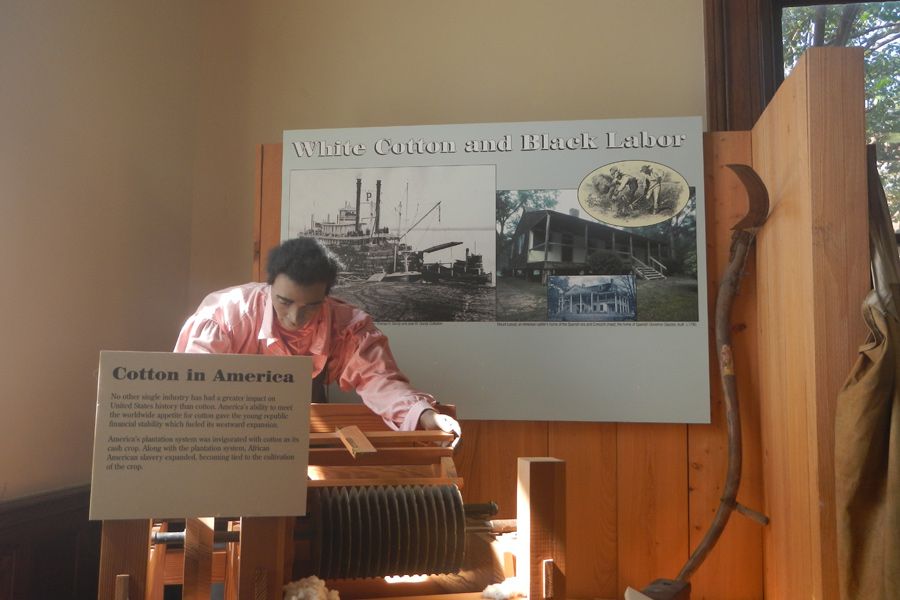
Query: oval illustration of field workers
[(633, 193)]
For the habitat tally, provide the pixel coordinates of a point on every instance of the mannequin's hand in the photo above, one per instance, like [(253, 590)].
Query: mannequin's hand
[(433, 420)]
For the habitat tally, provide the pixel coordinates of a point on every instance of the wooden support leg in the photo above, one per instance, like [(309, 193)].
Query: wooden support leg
[(262, 570), (232, 564), (198, 559), (156, 568), (541, 522), (124, 550)]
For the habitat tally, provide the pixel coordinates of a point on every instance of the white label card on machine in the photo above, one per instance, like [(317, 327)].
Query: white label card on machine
[(200, 435)]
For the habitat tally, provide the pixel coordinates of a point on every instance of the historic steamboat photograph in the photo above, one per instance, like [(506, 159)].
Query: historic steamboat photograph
[(417, 243)]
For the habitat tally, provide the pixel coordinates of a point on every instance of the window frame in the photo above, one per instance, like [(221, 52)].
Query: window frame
[(743, 58)]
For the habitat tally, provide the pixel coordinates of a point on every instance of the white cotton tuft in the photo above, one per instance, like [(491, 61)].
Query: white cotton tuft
[(309, 588), (509, 588)]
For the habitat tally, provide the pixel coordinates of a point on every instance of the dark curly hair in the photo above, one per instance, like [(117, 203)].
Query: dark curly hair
[(306, 261)]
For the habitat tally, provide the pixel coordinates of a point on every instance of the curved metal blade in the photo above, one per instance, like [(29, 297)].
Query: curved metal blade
[(757, 195)]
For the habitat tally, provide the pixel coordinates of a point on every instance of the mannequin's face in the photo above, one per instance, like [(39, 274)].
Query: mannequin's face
[(296, 305)]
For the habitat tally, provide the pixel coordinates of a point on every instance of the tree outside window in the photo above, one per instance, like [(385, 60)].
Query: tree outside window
[(875, 27)]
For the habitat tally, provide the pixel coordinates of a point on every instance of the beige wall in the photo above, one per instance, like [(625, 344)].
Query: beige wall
[(97, 134), (128, 142), (287, 64)]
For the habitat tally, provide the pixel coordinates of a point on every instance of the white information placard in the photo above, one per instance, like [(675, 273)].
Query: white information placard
[(200, 435), (535, 271)]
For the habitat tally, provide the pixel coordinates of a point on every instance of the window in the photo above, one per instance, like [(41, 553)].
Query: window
[(875, 27)]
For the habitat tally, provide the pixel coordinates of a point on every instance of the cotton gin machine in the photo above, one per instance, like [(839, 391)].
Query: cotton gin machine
[(376, 531), (379, 504)]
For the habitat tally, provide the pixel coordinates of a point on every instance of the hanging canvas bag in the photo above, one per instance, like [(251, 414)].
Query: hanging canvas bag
[(867, 428)]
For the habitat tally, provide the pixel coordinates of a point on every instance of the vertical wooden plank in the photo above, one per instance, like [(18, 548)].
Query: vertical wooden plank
[(809, 148), (232, 564), (262, 558), (257, 215), (541, 522), (589, 450), (733, 570), (740, 72), (124, 550), (268, 234), (487, 456), (652, 510), (786, 360), (156, 568), (198, 561), (841, 259)]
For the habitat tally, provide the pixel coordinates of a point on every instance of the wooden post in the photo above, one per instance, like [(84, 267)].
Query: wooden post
[(267, 214), (156, 567), (232, 565), (262, 570), (547, 240), (124, 550), (541, 522), (198, 551), (813, 264)]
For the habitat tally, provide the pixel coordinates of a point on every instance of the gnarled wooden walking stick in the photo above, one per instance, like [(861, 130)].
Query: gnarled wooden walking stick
[(744, 233)]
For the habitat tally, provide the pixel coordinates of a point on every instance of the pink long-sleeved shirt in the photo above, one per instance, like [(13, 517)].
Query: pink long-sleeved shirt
[(241, 320)]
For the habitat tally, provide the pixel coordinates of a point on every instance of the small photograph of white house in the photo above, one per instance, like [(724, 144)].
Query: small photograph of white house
[(591, 298)]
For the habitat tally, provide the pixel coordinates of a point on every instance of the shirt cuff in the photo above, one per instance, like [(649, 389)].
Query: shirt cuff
[(411, 421)]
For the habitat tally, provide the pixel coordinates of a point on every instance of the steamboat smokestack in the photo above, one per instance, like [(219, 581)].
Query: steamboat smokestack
[(358, 191), (377, 205)]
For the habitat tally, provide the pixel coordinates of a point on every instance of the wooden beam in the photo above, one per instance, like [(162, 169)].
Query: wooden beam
[(589, 450), (652, 488), (263, 572), (541, 522), (813, 263), (267, 206), (124, 550), (198, 558)]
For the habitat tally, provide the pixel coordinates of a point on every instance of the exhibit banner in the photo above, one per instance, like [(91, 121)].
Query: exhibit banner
[(200, 435), (537, 271)]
